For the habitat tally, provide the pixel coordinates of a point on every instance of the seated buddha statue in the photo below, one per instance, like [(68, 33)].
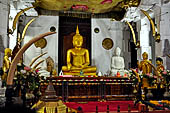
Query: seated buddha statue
[(159, 65), (117, 63), (78, 58)]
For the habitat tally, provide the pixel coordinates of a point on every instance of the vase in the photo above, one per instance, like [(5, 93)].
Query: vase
[(149, 95), (166, 94)]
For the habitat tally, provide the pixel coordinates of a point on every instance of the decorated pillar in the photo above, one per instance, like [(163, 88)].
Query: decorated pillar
[(144, 38)]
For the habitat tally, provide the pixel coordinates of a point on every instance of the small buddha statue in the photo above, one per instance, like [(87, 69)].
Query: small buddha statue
[(159, 65), (145, 67), (117, 63), (6, 63), (78, 57), (145, 64), (50, 64)]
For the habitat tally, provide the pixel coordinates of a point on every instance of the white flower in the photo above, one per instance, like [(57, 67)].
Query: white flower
[(23, 71), (27, 73)]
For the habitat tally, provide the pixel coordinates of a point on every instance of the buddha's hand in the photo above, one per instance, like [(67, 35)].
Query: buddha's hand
[(83, 66), (69, 66)]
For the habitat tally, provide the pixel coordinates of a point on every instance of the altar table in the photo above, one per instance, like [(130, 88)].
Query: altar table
[(91, 88)]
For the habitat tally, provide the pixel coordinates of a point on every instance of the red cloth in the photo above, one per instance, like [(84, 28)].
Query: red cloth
[(102, 106)]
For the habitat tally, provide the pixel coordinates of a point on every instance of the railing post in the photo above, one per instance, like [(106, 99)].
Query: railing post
[(118, 108), (96, 109), (107, 108), (129, 109), (67, 110)]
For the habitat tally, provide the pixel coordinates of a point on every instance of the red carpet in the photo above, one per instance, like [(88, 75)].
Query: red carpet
[(102, 106)]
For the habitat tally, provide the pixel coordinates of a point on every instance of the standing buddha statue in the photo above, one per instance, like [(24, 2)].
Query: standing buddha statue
[(6, 63), (78, 58), (145, 67)]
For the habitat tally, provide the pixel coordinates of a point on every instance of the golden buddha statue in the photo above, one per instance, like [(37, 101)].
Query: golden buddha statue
[(145, 64), (6, 62), (145, 67), (159, 65), (78, 58)]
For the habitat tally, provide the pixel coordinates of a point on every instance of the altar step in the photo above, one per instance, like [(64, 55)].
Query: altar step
[(112, 107), (103, 106)]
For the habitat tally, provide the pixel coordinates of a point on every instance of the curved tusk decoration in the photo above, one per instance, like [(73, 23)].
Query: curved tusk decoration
[(20, 53), (25, 29), (41, 61), (155, 35), (151, 21), (133, 33), (38, 68), (36, 58), (17, 17)]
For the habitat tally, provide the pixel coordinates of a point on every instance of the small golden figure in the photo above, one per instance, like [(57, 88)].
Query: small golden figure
[(78, 57), (6, 62), (144, 65), (159, 65)]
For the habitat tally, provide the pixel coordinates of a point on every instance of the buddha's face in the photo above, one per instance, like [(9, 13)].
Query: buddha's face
[(158, 63), (117, 52), (8, 52), (145, 56), (77, 41)]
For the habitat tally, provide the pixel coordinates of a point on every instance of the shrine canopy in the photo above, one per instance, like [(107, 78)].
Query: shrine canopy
[(87, 6)]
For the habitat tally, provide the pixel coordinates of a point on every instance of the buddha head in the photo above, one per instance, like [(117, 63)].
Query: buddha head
[(77, 39), (145, 56), (159, 61), (8, 52), (117, 51)]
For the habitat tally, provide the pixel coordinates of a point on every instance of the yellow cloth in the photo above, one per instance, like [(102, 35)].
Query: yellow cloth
[(51, 106), (50, 109)]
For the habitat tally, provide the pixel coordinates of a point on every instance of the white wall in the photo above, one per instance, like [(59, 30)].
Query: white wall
[(100, 57), (4, 12), (13, 37), (165, 35), (108, 29), (42, 25)]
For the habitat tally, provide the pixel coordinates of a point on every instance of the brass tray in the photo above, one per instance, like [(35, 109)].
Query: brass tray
[(107, 43), (41, 43)]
